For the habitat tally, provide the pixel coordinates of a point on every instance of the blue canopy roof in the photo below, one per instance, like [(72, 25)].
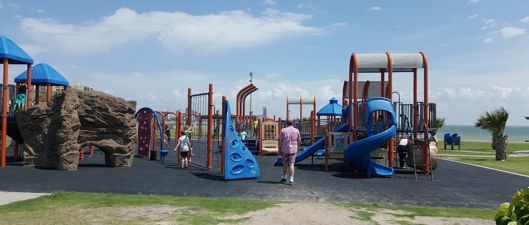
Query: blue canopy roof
[(331, 109), (43, 74), (9, 50)]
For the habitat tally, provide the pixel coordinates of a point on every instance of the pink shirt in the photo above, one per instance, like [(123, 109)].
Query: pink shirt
[(289, 139)]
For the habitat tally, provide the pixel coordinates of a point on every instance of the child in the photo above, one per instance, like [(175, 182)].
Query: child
[(402, 149), (185, 146)]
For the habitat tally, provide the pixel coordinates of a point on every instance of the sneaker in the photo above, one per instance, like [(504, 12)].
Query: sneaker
[(292, 183), (283, 180)]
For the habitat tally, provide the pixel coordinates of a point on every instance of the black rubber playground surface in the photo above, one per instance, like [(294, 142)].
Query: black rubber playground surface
[(454, 185)]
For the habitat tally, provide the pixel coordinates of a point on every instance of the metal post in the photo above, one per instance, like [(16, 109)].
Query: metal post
[(188, 122)]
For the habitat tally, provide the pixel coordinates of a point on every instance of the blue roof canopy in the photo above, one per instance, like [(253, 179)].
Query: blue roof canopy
[(43, 74), (15, 55), (331, 109)]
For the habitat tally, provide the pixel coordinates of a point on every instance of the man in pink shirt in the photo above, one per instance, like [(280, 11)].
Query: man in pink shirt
[(289, 140)]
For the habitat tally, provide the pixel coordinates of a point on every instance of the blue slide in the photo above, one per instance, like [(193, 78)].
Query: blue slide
[(358, 154), (308, 151)]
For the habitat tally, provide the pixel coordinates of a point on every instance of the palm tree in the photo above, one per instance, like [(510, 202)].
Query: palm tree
[(494, 122), (439, 122)]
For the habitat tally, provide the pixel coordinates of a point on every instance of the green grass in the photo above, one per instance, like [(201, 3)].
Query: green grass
[(473, 152), (89, 208), (518, 165), (67, 208)]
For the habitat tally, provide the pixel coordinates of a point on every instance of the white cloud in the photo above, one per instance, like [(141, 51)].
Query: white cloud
[(41, 11), (375, 8), (488, 40), (225, 30), (474, 16), (509, 32), (489, 24), (525, 19), (473, 1), (269, 2), (300, 6)]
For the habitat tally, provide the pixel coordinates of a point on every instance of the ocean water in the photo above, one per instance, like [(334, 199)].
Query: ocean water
[(515, 133)]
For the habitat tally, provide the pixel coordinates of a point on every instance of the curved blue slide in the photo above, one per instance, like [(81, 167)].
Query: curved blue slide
[(310, 150), (358, 154)]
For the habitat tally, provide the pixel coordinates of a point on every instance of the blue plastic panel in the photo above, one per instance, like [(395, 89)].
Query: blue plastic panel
[(11, 51), (42, 74), (239, 162)]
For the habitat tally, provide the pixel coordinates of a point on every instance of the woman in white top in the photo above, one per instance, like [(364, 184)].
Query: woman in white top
[(185, 146)]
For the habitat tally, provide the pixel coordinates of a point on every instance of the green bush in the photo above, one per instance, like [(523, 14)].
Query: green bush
[(515, 213)]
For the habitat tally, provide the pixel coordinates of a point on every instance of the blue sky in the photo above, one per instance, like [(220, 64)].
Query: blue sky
[(152, 51)]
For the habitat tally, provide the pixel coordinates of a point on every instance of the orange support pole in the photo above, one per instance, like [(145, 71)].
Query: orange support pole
[(210, 127), (355, 96), (326, 150), (312, 122), (425, 112), (391, 146), (260, 143), (81, 155), (91, 150), (37, 94), (188, 122), (28, 90), (223, 142), (178, 132), (15, 154), (48, 93), (4, 113)]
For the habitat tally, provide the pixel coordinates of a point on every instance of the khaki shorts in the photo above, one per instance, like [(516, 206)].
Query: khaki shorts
[(289, 157)]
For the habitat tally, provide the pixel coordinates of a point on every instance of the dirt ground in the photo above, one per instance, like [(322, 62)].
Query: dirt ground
[(325, 213)]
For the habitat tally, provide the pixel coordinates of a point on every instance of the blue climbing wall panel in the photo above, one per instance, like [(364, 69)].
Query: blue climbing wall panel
[(239, 162)]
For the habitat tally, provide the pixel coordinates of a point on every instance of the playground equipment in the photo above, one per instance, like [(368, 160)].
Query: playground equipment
[(200, 111), (268, 136), (358, 153), (247, 123), (238, 161), (331, 111), (421, 120), (43, 75), (148, 123), (10, 53), (306, 127)]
